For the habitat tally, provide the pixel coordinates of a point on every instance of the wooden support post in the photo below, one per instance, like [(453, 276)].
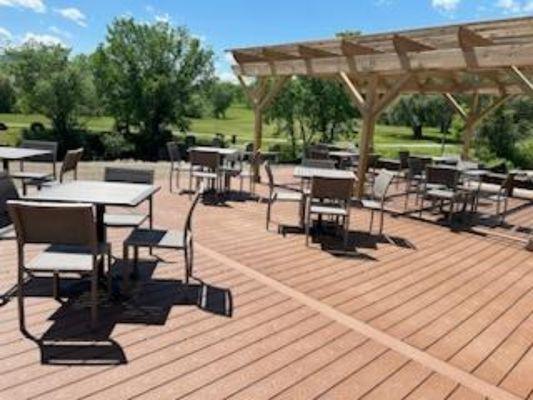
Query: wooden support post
[(474, 117), (261, 97)]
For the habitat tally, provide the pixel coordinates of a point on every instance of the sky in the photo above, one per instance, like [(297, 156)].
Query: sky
[(224, 24)]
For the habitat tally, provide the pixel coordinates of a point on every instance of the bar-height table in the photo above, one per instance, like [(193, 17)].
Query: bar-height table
[(100, 194), (8, 154)]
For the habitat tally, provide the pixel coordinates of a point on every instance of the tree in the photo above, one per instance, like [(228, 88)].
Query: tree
[(47, 83), (221, 96), (7, 95), (146, 74)]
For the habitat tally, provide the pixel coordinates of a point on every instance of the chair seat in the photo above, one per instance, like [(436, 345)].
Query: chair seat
[(156, 238), (442, 194), (329, 210), (63, 258), (31, 176), (288, 196), (370, 204), (124, 220)]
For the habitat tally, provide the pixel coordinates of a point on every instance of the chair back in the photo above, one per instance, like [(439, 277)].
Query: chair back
[(324, 164), (174, 153), (332, 188), (217, 142), (187, 230), (129, 175), (417, 165), (70, 163), (54, 224), (41, 145), (447, 176), (382, 184), (205, 159), (8, 191), (270, 176), (404, 157), (508, 185)]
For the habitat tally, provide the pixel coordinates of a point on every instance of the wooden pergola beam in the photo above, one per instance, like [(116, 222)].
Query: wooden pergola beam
[(488, 57), (455, 105), (468, 39), (277, 55), (354, 93), (522, 80), (352, 49), (309, 52)]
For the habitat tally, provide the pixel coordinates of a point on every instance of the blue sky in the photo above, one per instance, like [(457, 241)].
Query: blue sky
[(234, 23)]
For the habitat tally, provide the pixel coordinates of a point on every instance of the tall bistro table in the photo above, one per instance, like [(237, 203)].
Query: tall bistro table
[(101, 195), (307, 174), (8, 154)]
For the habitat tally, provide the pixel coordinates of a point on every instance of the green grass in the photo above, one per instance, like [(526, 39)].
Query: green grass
[(239, 121)]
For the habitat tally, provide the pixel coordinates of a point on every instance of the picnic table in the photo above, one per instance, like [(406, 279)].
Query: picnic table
[(8, 154)]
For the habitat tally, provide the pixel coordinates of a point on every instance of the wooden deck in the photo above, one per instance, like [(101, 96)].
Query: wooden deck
[(421, 313)]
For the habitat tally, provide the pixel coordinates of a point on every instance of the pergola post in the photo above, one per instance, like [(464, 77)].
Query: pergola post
[(260, 98), (370, 108), (474, 117)]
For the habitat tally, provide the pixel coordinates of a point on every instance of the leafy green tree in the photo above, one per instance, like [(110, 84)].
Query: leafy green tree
[(7, 95), (221, 95), (146, 74), (47, 83)]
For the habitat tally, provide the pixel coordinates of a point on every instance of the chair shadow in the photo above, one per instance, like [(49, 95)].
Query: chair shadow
[(69, 341)]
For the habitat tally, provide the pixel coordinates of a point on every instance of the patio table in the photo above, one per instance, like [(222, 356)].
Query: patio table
[(309, 172), (343, 154), (100, 194), (8, 154)]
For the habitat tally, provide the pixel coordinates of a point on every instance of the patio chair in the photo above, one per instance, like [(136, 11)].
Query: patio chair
[(502, 195), (177, 164), (318, 152), (440, 185), (69, 231), (329, 197), (51, 158), (8, 191), (128, 175), (181, 240), (206, 169), (376, 203), (248, 170), (416, 167), (276, 195), (69, 165)]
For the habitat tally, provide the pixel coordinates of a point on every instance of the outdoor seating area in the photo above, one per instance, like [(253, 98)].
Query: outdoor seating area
[(218, 271)]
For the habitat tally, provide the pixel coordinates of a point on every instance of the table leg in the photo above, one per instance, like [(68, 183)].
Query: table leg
[(151, 217), (100, 233), (5, 164)]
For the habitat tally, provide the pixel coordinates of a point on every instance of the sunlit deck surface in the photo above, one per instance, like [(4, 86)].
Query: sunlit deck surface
[(421, 313)]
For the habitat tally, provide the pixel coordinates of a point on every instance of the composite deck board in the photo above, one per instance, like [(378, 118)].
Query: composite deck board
[(465, 299)]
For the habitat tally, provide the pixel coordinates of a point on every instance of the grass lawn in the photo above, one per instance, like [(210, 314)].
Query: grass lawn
[(239, 121)]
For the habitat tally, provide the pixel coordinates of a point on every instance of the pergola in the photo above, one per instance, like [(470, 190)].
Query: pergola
[(493, 57)]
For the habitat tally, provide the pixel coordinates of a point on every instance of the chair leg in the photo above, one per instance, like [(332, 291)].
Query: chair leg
[(307, 229), (20, 298), (135, 273), (381, 222), (55, 285), (170, 181), (178, 175), (505, 207), (269, 211), (94, 300), (346, 231), (109, 273), (125, 271), (371, 221), (186, 257)]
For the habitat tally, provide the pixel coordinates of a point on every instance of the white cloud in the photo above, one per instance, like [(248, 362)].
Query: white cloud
[(35, 5), (5, 34), (60, 32), (515, 6), (445, 5), (73, 14), (163, 18), (45, 39)]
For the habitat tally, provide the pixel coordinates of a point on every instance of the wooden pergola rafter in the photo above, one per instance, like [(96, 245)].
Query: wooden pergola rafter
[(493, 57)]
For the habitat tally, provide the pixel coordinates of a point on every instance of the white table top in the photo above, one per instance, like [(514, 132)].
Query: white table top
[(308, 173), (19, 153), (343, 154), (96, 192), (219, 150)]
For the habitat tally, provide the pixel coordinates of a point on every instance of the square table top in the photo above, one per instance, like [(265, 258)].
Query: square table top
[(219, 150), (343, 154), (19, 153), (96, 192), (309, 172)]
